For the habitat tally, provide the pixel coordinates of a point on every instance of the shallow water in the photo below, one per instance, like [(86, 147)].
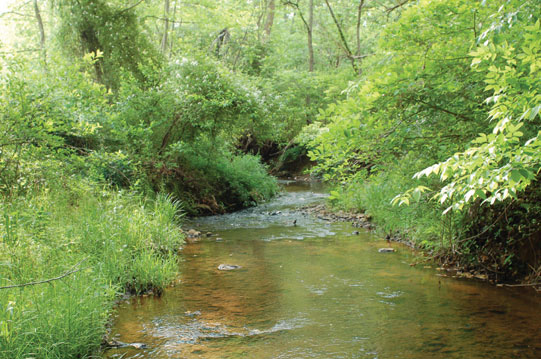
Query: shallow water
[(316, 290)]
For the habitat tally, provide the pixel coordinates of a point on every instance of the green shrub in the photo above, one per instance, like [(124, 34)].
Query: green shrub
[(225, 181)]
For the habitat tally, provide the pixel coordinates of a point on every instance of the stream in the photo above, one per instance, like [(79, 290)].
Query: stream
[(315, 289)]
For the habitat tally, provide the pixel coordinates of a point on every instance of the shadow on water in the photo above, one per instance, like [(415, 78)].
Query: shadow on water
[(315, 290)]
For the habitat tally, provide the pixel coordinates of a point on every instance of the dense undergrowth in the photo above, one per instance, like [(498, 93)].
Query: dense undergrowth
[(108, 242), (81, 175)]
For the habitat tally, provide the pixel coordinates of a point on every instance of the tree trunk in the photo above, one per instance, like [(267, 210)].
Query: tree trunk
[(165, 26), (347, 50), (173, 28), (310, 29), (310, 32), (359, 12), (270, 20), (41, 32)]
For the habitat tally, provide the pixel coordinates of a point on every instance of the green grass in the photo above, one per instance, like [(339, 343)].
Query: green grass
[(127, 244), (421, 222)]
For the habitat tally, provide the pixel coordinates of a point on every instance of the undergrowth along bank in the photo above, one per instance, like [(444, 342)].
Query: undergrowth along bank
[(106, 243)]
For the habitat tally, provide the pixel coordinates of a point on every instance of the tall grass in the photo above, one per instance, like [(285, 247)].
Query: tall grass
[(126, 243), (421, 222)]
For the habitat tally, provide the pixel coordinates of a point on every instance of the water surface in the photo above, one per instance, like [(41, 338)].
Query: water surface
[(316, 290)]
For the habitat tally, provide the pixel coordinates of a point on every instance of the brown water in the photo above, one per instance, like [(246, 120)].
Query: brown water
[(315, 290)]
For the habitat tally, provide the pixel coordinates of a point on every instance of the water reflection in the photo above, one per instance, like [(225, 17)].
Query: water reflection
[(316, 291)]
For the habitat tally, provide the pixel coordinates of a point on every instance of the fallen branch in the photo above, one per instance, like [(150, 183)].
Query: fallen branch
[(71, 271)]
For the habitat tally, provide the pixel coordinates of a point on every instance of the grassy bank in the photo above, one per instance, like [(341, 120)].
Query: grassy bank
[(419, 223), (107, 242)]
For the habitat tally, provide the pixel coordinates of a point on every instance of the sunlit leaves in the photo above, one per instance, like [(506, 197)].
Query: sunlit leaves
[(500, 165)]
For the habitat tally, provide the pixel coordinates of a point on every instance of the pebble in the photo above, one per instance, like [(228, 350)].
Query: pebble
[(228, 267), (192, 314)]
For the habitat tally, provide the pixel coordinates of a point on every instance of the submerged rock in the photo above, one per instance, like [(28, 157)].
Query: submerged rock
[(138, 345), (192, 236), (192, 233), (386, 250), (192, 314), (228, 267)]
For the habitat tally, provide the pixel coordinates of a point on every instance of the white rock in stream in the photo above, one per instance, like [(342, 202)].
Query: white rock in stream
[(386, 250), (228, 267)]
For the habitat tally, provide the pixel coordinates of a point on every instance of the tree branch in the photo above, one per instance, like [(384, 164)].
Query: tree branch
[(171, 21), (131, 7), (71, 271), (436, 107), (16, 13), (521, 285), (358, 28), (296, 6), (399, 5), (349, 54), (16, 51)]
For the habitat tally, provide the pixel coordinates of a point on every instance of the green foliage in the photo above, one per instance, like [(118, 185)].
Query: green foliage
[(61, 122), (112, 29), (181, 134), (247, 180), (504, 237), (503, 163), (126, 242), (42, 119), (211, 179), (420, 222), (418, 95), (449, 77)]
